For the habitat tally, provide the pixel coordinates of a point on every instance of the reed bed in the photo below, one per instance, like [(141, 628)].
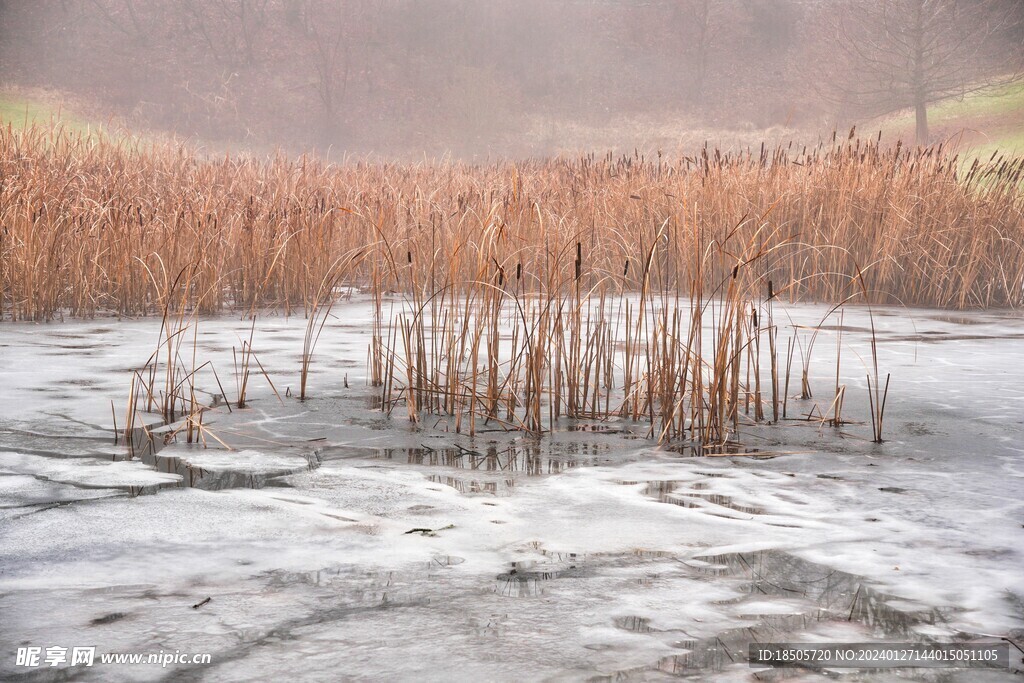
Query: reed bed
[(515, 295), (691, 360), (166, 386), (91, 225)]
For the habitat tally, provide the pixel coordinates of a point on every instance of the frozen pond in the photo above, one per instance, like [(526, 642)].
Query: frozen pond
[(334, 542)]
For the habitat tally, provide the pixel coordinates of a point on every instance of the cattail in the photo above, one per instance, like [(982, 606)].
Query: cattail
[(65, 224)]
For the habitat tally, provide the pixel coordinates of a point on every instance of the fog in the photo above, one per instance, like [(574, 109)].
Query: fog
[(401, 78)]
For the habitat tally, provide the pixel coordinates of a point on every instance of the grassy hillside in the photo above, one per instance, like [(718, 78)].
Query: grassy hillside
[(35, 107), (980, 123), (19, 108)]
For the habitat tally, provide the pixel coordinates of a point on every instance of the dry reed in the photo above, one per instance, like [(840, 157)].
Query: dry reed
[(530, 292), (84, 219)]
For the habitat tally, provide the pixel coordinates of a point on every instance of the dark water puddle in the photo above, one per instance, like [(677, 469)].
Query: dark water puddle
[(529, 579), (594, 428), (68, 335), (534, 578), (964, 319), (531, 460), (633, 624), (108, 618), (489, 468), (719, 500), (146, 446), (695, 449), (502, 487), (690, 494), (934, 339), (84, 383), (493, 469), (816, 596), (193, 476), (780, 574), (843, 328)]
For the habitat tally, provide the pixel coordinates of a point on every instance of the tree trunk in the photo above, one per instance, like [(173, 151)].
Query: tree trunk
[(921, 116), (920, 104)]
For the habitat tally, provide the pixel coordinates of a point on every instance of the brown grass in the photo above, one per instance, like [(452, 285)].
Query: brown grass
[(532, 292), (684, 358), (86, 221)]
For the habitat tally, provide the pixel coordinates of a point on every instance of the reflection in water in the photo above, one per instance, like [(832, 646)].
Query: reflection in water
[(220, 479), (532, 459), (472, 486), (527, 579), (815, 593), (147, 445), (836, 594), (690, 494), (633, 624), (445, 561)]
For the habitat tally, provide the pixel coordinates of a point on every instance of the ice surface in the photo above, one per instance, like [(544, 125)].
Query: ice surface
[(84, 472), (339, 544)]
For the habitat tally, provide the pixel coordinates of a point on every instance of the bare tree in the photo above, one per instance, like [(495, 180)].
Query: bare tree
[(333, 37), (699, 25), (898, 53)]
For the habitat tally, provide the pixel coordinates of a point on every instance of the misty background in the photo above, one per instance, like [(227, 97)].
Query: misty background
[(505, 77)]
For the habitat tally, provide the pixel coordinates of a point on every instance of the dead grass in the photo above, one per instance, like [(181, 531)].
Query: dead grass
[(85, 222), (530, 292)]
